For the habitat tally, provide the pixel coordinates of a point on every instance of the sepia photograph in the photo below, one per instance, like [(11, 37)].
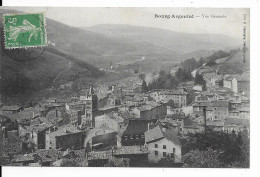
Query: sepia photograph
[(143, 87)]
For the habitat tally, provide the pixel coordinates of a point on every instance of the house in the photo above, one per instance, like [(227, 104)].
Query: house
[(24, 159), (75, 106), (199, 106), (24, 116), (241, 85), (107, 110), (227, 82), (134, 133), (191, 126), (114, 100), (244, 112), (138, 155), (205, 69), (74, 117), (64, 137), (179, 96), (236, 124), (100, 139), (162, 143), (218, 110), (215, 80), (111, 120), (177, 119), (151, 110), (11, 109), (12, 144), (36, 133), (197, 88)]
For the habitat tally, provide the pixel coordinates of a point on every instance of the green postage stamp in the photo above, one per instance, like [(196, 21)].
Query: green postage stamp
[(24, 30)]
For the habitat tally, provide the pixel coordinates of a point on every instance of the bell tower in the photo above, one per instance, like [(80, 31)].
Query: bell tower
[(91, 106)]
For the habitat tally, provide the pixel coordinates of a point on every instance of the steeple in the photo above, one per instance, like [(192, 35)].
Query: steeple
[(91, 90)]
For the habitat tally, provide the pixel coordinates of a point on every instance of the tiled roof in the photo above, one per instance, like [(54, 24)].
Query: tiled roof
[(24, 157), (159, 132), (99, 155), (66, 129), (11, 108), (130, 150), (220, 103), (39, 127), (237, 122), (49, 155), (244, 109), (190, 123), (137, 126)]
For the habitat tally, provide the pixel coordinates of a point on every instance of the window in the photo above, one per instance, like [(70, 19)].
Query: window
[(156, 153), (126, 137), (172, 155), (164, 146), (164, 154), (131, 137), (156, 145), (142, 136), (173, 150), (137, 137)]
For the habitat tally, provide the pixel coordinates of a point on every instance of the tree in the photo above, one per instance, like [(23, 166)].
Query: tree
[(200, 81), (171, 103), (69, 163), (208, 158), (141, 76), (144, 87)]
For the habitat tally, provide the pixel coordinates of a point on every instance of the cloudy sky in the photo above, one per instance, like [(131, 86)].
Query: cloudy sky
[(232, 25)]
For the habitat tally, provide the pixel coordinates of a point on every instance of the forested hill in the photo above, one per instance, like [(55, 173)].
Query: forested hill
[(27, 71)]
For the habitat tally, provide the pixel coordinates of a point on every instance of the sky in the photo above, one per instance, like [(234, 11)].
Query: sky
[(232, 25)]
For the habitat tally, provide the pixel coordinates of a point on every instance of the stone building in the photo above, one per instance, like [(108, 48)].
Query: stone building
[(163, 143)]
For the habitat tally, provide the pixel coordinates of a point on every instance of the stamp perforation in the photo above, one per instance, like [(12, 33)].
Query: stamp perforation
[(27, 46)]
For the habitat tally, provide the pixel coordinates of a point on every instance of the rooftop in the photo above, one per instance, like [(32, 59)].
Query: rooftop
[(64, 130), (99, 155), (137, 126), (130, 150), (159, 132), (11, 108)]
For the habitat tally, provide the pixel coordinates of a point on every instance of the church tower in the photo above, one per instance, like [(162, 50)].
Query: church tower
[(91, 107)]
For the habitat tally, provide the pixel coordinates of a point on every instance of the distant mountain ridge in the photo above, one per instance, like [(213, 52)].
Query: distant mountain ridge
[(172, 43)]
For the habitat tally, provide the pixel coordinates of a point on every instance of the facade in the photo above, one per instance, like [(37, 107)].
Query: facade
[(36, 134), (134, 133), (227, 82), (180, 97), (64, 137), (12, 144), (112, 120), (152, 110), (218, 110), (240, 85), (11, 109), (162, 143)]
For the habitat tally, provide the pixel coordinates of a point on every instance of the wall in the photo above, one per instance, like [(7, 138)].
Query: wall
[(169, 149)]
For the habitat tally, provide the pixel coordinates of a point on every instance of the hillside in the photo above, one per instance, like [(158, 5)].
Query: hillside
[(160, 42), (235, 64), (25, 72)]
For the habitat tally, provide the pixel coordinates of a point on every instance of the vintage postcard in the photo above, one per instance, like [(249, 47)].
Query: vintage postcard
[(125, 87)]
